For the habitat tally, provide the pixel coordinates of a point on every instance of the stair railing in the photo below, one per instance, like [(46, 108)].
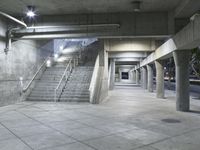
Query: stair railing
[(64, 77), (35, 75)]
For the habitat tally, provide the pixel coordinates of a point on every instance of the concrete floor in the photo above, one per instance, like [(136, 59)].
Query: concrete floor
[(131, 119)]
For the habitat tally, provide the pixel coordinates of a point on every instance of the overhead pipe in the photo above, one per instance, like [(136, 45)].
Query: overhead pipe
[(69, 26), (56, 30), (8, 34), (14, 19), (81, 25)]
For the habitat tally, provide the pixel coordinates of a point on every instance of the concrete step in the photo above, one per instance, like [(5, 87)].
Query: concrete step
[(44, 88), (42, 96), (74, 100), (72, 88), (47, 76), (75, 95), (39, 99), (47, 84), (41, 90), (52, 75), (75, 92), (41, 83), (50, 81)]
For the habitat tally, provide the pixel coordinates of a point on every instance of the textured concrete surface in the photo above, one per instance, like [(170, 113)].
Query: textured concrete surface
[(132, 119), (23, 60)]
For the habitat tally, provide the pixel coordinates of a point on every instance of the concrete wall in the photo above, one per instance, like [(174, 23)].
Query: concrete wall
[(22, 60)]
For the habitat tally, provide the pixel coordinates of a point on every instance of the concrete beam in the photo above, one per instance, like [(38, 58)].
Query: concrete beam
[(187, 38), (127, 59), (187, 8), (127, 54), (124, 45)]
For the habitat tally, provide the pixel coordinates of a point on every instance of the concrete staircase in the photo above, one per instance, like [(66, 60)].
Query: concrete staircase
[(77, 87), (45, 86)]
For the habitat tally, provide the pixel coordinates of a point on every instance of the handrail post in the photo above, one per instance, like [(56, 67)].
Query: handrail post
[(74, 62), (55, 97), (70, 66), (65, 75)]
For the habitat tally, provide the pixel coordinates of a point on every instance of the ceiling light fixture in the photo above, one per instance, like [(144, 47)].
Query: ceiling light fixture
[(31, 11), (136, 6)]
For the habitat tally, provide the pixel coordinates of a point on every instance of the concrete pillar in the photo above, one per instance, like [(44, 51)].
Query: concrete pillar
[(150, 78), (141, 77), (181, 59), (160, 90), (120, 75), (144, 77), (112, 74), (137, 76), (134, 76)]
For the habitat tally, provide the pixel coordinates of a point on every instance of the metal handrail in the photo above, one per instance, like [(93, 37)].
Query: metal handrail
[(69, 66), (35, 75)]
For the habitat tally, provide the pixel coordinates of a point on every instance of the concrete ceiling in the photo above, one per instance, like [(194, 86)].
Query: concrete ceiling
[(49, 7)]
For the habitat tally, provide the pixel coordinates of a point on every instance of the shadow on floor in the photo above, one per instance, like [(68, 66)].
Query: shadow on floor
[(194, 111)]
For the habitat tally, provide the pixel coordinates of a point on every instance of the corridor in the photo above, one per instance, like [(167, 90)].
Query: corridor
[(130, 119)]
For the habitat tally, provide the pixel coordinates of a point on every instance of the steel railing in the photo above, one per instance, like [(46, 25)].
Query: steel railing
[(35, 75), (64, 77)]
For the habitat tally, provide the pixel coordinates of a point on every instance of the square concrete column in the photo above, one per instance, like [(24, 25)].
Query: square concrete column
[(181, 58), (137, 76), (120, 75), (141, 77), (112, 74), (144, 77), (134, 76), (150, 78), (160, 90)]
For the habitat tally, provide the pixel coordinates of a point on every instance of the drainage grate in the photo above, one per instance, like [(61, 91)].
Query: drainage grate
[(170, 120)]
